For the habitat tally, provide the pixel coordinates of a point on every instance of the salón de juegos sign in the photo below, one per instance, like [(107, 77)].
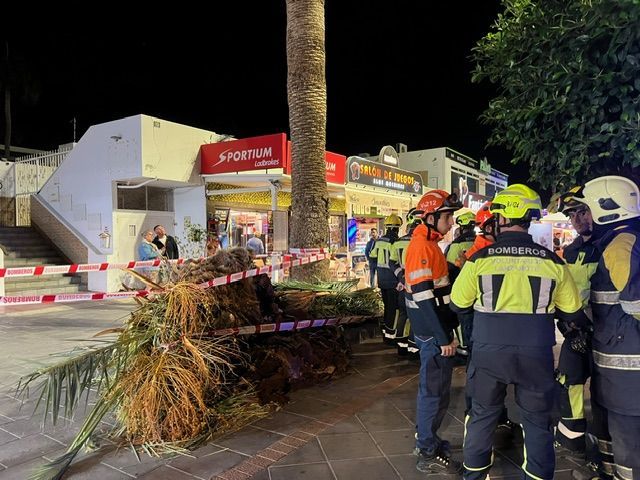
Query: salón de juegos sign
[(366, 172)]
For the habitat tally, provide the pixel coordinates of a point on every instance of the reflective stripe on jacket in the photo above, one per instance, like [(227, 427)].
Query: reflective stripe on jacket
[(428, 288), (516, 287), (615, 302), (582, 258), (381, 252)]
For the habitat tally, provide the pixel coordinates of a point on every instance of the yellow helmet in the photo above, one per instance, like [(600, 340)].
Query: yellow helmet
[(466, 218), (393, 221), (517, 202)]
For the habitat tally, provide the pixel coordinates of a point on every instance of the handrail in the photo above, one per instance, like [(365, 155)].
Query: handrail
[(68, 225)]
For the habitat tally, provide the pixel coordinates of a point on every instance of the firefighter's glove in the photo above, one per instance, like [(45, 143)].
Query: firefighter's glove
[(400, 287), (578, 341)]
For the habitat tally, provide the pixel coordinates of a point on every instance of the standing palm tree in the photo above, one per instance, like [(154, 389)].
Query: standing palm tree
[(307, 93)]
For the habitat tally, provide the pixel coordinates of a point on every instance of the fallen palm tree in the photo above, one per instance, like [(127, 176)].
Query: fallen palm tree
[(172, 383)]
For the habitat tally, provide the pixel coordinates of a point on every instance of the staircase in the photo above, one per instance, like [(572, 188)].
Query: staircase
[(25, 247)]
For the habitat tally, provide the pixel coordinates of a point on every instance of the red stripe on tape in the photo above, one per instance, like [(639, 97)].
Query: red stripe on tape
[(38, 270)]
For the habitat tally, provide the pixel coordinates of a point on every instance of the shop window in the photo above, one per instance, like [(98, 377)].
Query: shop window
[(336, 232), (145, 198)]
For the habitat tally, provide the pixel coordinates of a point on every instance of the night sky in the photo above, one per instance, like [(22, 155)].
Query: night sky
[(396, 72)]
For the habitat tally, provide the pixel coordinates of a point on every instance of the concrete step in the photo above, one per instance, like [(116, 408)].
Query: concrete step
[(27, 240), (41, 281), (32, 262), (33, 252), (48, 291)]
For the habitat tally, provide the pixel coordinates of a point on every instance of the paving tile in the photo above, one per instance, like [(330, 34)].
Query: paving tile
[(315, 471), (282, 422), (311, 407), (125, 460), (349, 425), (210, 465), (349, 446), (22, 471), (310, 453), (166, 473), (27, 448), (406, 465), (397, 442), (102, 472), (370, 468), (248, 440), (6, 437), (389, 420)]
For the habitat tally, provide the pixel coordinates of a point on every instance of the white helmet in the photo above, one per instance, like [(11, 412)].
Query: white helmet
[(612, 199)]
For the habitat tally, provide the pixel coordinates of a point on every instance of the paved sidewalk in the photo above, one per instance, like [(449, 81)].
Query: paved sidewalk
[(358, 427)]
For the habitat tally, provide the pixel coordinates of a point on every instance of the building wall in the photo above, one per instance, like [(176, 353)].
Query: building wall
[(133, 149), (428, 163)]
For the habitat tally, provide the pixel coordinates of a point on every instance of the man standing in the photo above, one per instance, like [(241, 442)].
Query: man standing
[(255, 244), (387, 282), (397, 261), (615, 302), (574, 366), (166, 243), (516, 288), (372, 261), (432, 323)]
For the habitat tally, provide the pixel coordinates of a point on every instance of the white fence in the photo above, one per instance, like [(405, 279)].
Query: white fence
[(27, 175)]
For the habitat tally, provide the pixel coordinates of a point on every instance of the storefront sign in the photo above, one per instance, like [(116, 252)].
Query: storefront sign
[(474, 201), (361, 204), (460, 158), (366, 172), (335, 166), (485, 166), (463, 185), (255, 153), (388, 155)]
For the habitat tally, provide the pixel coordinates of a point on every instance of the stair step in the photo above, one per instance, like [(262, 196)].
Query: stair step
[(48, 291), (32, 262), (10, 242), (32, 253), (27, 248), (41, 281)]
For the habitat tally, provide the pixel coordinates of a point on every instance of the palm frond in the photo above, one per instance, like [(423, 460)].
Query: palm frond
[(55, 469), (319, 286)]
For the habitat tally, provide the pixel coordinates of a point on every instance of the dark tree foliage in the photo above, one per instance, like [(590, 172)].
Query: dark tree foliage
[(568, 78)]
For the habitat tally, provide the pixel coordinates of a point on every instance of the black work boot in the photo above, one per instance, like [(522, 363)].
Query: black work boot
[(507, 434), (591, 471), (437, 462)]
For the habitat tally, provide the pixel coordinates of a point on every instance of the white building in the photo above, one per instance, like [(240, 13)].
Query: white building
[(123, 177), (446, 169)]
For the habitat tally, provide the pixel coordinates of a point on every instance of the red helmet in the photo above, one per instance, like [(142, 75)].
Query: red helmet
[(484, 214), (438, 201)]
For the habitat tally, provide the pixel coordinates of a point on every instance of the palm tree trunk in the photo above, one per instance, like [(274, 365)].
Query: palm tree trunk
[(307, 93)]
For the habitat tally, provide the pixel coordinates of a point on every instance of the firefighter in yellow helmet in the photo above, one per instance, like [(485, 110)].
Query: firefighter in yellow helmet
[(404, 336), (381, 254), (516, 288)]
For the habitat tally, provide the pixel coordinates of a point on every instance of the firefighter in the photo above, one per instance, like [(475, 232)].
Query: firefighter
[(615, 303), (387, 282), (432, 323), (404, 337), (454, 251), (574, 367), (506, 431), (516, 288), (462, 243)]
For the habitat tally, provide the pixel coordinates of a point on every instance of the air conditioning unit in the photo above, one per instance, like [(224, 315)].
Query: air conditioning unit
[(401, 148)]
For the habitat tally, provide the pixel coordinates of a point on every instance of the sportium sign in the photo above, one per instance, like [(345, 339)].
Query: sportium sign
[(255, 153), (334, 164), (366, 172)]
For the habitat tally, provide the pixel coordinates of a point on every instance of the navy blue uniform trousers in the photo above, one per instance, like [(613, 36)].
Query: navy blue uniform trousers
[(531, 371)]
